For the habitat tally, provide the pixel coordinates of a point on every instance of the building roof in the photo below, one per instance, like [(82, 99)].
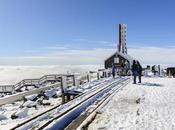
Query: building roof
[(126, 56)]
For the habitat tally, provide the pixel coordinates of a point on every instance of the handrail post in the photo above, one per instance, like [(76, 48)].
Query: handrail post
[(98, 76), (88, 77), (104, 74), (74, 80), (63, 88)]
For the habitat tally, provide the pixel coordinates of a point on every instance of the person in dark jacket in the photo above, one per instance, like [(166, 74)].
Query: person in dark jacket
[(139, 71), (113, 71), (134, 70)]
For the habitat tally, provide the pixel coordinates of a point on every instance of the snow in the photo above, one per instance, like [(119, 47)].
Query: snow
[(51, 92), (146, 106), (26, 110), (2, 117), (22, 113), (31, 97), (148, 73), (65, 107), (30, 104), (149, 105)]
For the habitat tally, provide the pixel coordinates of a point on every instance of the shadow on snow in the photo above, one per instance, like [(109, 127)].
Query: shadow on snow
[(151, 84)]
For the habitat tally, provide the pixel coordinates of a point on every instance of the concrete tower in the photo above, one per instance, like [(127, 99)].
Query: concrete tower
[(122, 38)]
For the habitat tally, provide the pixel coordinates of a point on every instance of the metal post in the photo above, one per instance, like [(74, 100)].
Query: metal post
[(88, 78), (63, 88), (75, 82), (105, 75), (169, 73), (98, 76), (159, 69)]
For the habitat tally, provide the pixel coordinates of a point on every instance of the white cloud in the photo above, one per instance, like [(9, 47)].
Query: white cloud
[(14, 74), (61, 61), (69, 56), (154, 55), (62, 57), (102, 43), (57, 48)]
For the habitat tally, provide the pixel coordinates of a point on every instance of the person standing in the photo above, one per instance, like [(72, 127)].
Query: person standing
[(139, 71), (134, 70), (113, 71), (126, 68)]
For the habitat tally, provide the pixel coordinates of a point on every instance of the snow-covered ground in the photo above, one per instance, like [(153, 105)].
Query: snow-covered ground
[(146, 106), (24, 110), (32, 106)]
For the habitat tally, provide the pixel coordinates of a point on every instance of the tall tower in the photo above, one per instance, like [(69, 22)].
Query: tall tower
[(122, 38)]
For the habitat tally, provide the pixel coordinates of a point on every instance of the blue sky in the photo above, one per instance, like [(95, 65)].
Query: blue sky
[(46, 28)]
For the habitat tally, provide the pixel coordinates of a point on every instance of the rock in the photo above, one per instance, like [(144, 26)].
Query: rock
[(50, 93), (138, 101), (55, 96), (59, 94), (30, 104), (138, 113), (2, 117), (41, 94), (13, 116), (32, 97), (46, 103), (40, 101), (20, 114)]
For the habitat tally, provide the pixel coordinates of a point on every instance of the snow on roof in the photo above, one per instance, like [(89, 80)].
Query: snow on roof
[(126, 56)]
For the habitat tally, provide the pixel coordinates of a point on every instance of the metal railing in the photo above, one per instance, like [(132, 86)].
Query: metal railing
[(6, 88), (41, 81), (53, 78)]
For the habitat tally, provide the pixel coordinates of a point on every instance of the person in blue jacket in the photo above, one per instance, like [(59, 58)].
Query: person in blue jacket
[(134, 71), (113, 71)]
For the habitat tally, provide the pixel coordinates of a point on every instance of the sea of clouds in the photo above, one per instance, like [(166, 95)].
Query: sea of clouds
[(14, 74), (14, 69)]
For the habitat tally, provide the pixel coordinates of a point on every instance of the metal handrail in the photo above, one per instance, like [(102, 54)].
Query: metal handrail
[(40, 81), (26, 82), (4, 88)]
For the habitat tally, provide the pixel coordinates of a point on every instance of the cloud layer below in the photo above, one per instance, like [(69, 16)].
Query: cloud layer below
[(96, 56), (14, 69), (154, 55), (14, 74)]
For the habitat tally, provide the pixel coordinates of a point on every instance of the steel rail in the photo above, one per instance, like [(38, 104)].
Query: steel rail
[(86, 118), (41, 114), (60, 115)]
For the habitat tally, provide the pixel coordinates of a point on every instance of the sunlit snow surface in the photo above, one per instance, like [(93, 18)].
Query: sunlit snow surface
[(28, 111), (146, 106)]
